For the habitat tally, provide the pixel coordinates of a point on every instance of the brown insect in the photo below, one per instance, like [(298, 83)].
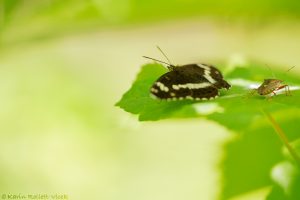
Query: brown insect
[(270, 86)]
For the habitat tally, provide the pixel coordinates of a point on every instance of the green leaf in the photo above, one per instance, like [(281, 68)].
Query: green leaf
[(286, 177), (252, 155), (248, 162), (254, 152), (233, 109)]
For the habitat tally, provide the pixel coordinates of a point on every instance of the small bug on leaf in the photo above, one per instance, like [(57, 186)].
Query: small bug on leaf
[(270, 86)]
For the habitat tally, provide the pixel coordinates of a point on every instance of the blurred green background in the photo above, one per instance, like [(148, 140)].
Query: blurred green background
[(64, 64)]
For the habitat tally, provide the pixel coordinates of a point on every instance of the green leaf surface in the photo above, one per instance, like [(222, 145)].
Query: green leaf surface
[(286, 178), (254, 152)]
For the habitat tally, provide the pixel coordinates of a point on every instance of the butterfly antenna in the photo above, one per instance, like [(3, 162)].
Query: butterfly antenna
[(170, 63)]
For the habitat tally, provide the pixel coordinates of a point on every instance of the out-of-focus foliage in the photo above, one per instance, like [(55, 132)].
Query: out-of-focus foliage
[(286, 178), (251, 157), (31, 19)]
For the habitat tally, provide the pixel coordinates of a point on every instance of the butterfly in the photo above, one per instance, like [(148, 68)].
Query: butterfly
[(191, 81)]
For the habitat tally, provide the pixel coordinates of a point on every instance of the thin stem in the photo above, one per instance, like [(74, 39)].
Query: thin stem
[(283, 137)]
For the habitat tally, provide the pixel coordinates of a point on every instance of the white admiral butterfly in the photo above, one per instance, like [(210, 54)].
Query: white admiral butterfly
[(191, 81)]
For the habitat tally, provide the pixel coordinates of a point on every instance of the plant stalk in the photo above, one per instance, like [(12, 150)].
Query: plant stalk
[(283, 137)]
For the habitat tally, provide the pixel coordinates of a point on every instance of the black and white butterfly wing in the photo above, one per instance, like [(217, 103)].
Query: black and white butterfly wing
[(214, 75), (189, 82)]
